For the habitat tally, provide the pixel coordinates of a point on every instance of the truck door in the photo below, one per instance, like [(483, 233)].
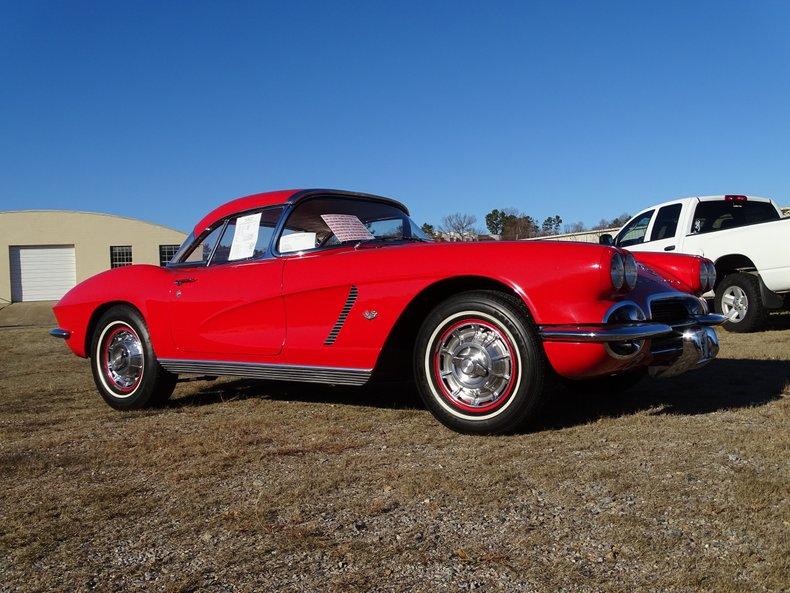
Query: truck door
[(663, 233), (634, 234)]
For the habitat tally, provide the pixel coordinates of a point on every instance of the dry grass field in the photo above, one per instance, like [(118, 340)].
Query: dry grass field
[(680, 485)]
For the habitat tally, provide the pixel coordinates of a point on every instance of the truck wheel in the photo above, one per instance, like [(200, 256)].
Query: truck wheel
[(738, 299), (479, 364), (125, 369)]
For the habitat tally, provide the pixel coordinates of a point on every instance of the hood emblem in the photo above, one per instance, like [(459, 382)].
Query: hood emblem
[(370, 314)]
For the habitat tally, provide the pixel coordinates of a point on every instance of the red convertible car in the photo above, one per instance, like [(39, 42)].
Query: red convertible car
[(337, 287)]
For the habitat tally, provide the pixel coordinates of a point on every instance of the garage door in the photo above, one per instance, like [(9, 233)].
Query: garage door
[(42, 272)]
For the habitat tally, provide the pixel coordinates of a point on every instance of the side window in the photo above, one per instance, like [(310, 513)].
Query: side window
[(634, 232), (247, 236), (326, 222), (202, 251), (666, 222)]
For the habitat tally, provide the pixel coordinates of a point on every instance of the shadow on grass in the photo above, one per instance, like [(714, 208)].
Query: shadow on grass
[(391, 394), (724, 384)]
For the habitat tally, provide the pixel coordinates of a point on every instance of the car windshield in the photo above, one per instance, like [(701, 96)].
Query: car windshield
[(182, 249), (331, 221)]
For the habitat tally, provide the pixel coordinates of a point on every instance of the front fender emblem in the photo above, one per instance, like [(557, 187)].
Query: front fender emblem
[(370, 314)]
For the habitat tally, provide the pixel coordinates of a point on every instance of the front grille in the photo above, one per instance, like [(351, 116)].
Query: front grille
[(669, 311), (672, 311)]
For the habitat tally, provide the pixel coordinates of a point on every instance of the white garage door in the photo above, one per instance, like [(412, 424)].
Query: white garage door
[(42, 272)]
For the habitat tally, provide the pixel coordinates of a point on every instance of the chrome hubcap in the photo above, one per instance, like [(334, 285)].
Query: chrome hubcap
[(734, 303), (474, 364), (124, 358)]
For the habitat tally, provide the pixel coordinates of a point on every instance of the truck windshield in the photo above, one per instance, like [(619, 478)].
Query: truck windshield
[(718, 215)]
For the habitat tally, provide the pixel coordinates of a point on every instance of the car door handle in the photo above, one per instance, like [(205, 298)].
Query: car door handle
[(180, 281), (669, 248)]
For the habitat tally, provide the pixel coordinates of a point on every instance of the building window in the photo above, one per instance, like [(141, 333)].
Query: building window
[(120, 255), (166, 253)]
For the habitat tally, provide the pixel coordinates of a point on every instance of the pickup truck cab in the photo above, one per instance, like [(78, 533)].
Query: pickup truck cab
[(745, 236)]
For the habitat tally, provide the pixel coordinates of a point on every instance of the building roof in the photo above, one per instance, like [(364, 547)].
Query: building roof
[(55, 210)]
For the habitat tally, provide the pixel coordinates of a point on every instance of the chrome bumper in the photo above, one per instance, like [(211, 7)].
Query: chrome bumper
[(613, 332), (700, 346), (60, 333), (623, 332)]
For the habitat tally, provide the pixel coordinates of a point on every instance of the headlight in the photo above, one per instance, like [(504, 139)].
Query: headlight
[(629, 265), (707, 275), (617, 271)]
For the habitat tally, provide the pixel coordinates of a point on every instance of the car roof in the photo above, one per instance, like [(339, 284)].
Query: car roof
[(282, 197)]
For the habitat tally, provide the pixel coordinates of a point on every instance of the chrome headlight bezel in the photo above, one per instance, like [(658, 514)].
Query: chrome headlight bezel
[(617, 271)]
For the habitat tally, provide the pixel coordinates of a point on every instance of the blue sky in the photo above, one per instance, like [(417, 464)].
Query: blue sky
[(163, 110)]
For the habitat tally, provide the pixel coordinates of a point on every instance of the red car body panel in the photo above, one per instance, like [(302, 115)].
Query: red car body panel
[(282, 309)]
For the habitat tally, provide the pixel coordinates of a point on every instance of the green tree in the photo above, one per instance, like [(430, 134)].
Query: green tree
[(551, 225), (495, 221), (429, 231)]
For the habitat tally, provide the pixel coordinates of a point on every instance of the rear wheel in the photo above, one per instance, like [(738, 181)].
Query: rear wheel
[(125, 369), (738, 299), (478, 363)]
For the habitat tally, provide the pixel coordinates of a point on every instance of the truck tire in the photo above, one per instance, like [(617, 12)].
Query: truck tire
[(738, 298)]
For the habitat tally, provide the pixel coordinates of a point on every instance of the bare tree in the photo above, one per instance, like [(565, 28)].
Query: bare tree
[(575, 227), (519, 226), (459, 227)]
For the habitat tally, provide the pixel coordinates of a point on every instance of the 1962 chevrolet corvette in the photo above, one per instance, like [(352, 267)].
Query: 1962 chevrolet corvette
[(331, 287)]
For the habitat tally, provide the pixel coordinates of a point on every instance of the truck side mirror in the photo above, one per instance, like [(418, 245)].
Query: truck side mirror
[(606, 239)]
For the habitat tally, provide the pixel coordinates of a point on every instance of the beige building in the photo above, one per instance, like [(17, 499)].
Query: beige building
[(43, 253)]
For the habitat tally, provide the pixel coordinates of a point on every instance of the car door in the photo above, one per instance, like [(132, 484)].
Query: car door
[(336, 303), (226, 296)]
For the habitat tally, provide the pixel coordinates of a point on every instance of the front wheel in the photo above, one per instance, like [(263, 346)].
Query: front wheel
[(738, 299), (125, 369), (478, 363)]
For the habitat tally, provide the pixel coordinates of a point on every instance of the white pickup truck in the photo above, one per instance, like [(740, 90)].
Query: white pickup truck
[(745, 236)]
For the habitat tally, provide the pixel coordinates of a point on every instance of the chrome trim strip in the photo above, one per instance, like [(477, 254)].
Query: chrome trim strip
[(709, 319), (60, 333), (271, 372), (603, 333), (679, 296), (341, 319)]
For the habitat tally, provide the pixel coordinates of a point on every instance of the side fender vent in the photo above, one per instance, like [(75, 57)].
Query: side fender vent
[(341, 319)]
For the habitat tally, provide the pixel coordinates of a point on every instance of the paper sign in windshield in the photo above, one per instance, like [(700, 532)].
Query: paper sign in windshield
[(347, 227), (297, 242), (245, 236)]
